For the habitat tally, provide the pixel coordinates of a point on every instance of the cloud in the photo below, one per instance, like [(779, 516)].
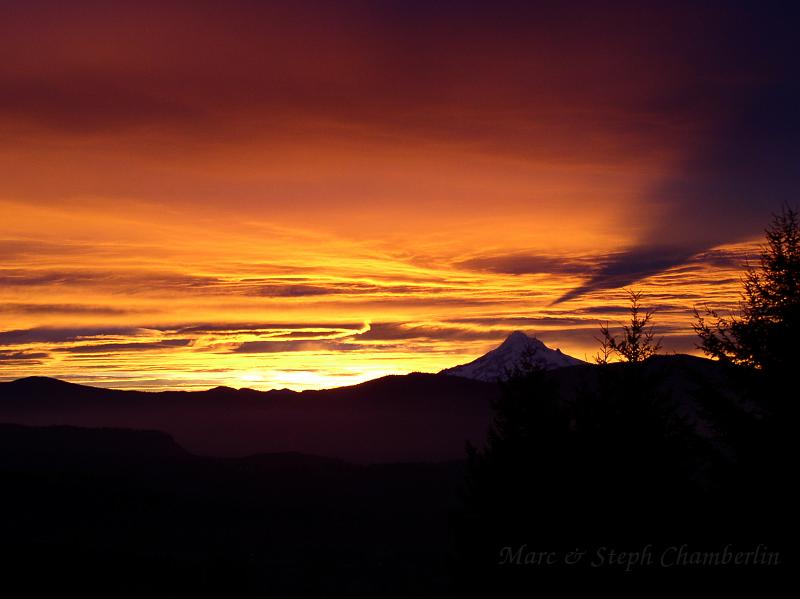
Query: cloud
[(629, 267), (26, 278), (612, 270), (616, 269), (744, 163), (13, 249), (65, 335), (500, 76), (311, 334), (131, 282), (296, 290), (517, 322), (268, 347), (150, 281), (522, 263), (617, 309), (267, 328), (735, 258), (83, 102), (202, 157), (126, 347), (20, 308), (403, 331), (22, 358)]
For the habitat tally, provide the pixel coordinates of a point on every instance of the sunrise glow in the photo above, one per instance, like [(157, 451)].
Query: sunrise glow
[(192, 198)]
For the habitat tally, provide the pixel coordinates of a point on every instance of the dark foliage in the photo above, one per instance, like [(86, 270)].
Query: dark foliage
[(765, 333), (615, 464), (637, 342)]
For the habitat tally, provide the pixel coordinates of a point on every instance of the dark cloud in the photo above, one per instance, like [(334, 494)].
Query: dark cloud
[(88, 102), (11, 249), (728, 258), (711, 87), (27, 278), (521, 263), (514, 323), (744, 167), (281, 289), (126, 347), (131, 282), (296, 290), (147, 281), (18, 308), (617, 309), (263, 327), (268, 347), (629, 267), (22, 358), (308, 334), (401, 331), (65, 335), (520, 77), (616, 269)]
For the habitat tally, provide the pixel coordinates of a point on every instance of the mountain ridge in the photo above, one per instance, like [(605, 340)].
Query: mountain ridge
[(397, 418), (417, 417)]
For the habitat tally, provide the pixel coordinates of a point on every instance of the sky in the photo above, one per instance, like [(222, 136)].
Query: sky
[(312, 194)]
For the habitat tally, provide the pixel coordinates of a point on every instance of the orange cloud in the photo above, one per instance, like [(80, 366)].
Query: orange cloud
[(172, 174)]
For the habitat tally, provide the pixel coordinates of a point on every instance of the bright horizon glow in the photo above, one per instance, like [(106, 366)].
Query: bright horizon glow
[(127, 307), (189, 197)]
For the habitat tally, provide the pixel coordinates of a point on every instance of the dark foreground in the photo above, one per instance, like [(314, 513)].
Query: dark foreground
[(128, 513), (118, 513), (678, 472)]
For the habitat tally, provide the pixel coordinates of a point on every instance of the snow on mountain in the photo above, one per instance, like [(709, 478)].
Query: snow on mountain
[(518, 351)]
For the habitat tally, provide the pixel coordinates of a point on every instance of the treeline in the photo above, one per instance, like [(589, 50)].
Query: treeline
[(625, 463)]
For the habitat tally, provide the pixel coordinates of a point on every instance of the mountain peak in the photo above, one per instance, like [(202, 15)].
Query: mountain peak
[(520, 338), (517, 352)]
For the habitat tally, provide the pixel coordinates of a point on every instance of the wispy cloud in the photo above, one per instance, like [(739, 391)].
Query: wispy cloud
[(66, 335), (266, 347), (22, 358), (113, 348), (79, 309), (190, 196), (524, 263)]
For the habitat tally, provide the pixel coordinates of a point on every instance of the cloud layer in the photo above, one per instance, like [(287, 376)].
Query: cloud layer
[(200, 191)]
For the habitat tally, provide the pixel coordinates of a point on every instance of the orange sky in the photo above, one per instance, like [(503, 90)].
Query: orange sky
[(314, 194)]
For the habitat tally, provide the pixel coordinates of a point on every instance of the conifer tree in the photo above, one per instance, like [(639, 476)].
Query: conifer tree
[(765, 332), (637, 342)]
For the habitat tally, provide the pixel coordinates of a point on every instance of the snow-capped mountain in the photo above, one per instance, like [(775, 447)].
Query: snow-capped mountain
[(518, 351)]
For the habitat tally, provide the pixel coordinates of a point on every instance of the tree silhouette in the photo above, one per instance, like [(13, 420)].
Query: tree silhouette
[(604, 354), (762, 341), (764, 335), (638, 340), (519, 485)]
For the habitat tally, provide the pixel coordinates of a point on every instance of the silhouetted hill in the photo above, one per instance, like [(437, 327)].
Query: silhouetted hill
[(58, 444), (418, 417), (302, 497), (109, 512)]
